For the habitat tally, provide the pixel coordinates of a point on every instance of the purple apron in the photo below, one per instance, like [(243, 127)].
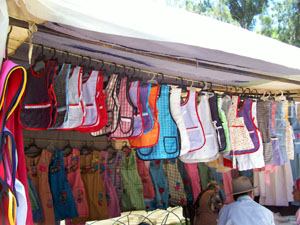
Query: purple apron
[(138, 122), (147, 116), (246, 113)]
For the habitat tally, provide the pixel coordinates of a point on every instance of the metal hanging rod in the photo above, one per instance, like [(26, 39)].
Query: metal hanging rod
[(185, 61), (63, 141)]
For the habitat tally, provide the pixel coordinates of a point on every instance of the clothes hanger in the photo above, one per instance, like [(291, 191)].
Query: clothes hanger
[(110, 69), (85, 150), (40, 58), (112, 152), (32, 150), (126, 149), (152, 80), (67, 150), (87, 69), (280, 97)]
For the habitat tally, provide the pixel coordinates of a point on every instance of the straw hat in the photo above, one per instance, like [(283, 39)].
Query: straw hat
[(241, 185)]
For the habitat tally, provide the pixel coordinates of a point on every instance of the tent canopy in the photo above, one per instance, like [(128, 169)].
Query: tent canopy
[(157, 38)]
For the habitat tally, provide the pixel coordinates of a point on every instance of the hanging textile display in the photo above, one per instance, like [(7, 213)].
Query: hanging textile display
[(168, 143), (295, 124), (177, 114), (146, 113), (150, 138)]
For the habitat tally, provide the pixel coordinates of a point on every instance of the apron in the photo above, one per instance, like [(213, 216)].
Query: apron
[(37, 105), (160, 184), (37, 169), (175, 184), (213, 104), (37, 211), (113, 206), (223, 118), (132, 185), (112, 107), (239, 136), (210, 150), (126, 119), (187, 183), (295, 124), (151, 138), (89, 93), (263, 119), (138, 122), (77, 111), (60, 188), (289, 133), (72, 169), (277, 157), (193, 124), (59, 87), (168, 143), (192, 171), (280, 130), (94, 188), (144, 101), (177, 114), (114, 169)]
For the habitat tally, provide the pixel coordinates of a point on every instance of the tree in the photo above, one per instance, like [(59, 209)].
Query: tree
[(244, 11), (283, 23)]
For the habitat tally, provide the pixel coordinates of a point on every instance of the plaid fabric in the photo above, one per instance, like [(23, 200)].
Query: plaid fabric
[(263, 119), (114, 168), (186, 181), (175, 184), (289, 134), (277, 157), (59, 88), (168, 143), (126, 120), (112, 106), (295, 126), (280, 130)]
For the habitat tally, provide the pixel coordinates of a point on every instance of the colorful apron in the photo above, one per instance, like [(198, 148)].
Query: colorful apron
[(126, 119), (277, 157), (168, 143), (295, 126), (61, 190), (289, 132), (223, 118), (177, 114), (112, 106), (151, 138), (144, 101), (113, 206), (138, 122), (37, 106)]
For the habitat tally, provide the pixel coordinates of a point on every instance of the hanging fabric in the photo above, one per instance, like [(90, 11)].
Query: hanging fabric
[(177, 114), (295, 124), (60, 94), (37, 106), (151, 138), (126, 119), (289, 132), (144, 101), (132, 198), (138, 121), (193, 122), (72, 168), (168, 143), (60, 188), (37, 211), (213, 103), (94, 188), (76, 107), (89, 94), (37, 169), (160, 184), (112, 106), (210, 150), (113, 206)]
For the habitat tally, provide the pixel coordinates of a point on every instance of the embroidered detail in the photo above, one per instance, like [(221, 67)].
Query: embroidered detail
[(49, 203), (43, 168), (298, 135), (34, 171), (177, 187), (182, 201), (186, 181), (63, 197), (79, 196), (55, 165), (161, 190), (100, 199)]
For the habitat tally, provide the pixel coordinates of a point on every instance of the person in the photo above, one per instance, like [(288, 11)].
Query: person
[(244, 211), (207, 205)]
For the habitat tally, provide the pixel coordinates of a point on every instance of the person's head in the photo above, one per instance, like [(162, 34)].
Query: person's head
[(296, 191), (242, 186), (213, 185)]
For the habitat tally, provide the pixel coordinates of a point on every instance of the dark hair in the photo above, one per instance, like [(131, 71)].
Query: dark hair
[(235, 197)]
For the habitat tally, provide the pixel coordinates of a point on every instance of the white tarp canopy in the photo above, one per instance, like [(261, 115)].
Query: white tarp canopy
[(152, 27)]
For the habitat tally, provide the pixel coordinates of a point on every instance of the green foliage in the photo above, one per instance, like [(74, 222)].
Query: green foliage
[(244, 11)]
